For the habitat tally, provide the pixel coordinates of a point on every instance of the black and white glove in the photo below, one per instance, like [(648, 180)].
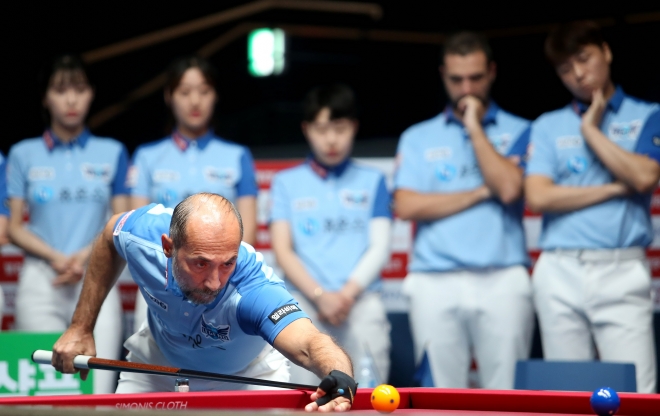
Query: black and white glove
[(337, 384)]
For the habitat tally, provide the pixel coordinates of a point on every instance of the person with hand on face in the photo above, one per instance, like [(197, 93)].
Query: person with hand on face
[(68, 180), (459, 178), (330, 230), (193, 158), (592, 170), (215, 306)]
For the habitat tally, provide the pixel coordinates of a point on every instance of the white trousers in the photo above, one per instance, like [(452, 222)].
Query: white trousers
[(269, 365), (597, 300), (42, 307), (488, 314), (366, 327)]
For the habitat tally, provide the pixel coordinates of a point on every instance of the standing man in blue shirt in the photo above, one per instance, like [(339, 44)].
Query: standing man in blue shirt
[(330, 231), (193, 158), (459, 178), (215, 305), (592, 170)]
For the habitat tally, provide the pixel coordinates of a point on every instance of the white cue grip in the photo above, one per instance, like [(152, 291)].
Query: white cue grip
[(45, 357)]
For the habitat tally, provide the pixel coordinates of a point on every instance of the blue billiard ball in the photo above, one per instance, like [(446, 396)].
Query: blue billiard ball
[(605, 401)]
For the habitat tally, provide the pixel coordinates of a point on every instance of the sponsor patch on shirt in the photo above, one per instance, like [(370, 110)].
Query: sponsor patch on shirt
[(41, 173), (354, 198), (94, 172), (577, 164), (162, 175), (501, 142), (121, 223), (569, 142), (625, 130), (283, 311), (154, 299), (220, 332), (445, 172), (225, 176), (132, 176), (305, 204), (437, 153)]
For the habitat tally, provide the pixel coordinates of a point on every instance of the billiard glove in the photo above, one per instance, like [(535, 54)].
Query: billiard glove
[(337, 384)]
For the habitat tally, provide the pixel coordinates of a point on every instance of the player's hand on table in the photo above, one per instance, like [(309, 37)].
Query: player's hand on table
[(333, 307), (75, 341), (335, 393)]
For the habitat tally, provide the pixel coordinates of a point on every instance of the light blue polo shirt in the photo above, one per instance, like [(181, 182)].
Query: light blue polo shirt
[(67, 187), (221, 337), (4, 209), (169, 170), (436, 156), (559, 152), (329, 210)]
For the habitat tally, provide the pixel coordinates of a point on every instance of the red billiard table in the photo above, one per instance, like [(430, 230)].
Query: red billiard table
[(413, 400)]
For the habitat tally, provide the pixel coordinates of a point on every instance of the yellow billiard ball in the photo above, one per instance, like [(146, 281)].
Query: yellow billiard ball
[(385, 398)]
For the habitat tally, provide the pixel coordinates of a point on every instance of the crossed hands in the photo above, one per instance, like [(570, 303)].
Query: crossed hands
[(70, 269)]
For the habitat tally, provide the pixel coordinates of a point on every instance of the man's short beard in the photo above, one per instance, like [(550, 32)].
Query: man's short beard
[(196, 296)]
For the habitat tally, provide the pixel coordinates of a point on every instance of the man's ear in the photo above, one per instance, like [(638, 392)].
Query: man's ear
[(168, 245), (607, 51)]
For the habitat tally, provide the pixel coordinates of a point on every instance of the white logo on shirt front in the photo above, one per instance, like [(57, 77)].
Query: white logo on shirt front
[(625, 130), (225, 176), (354, 198), (305, 204), (569, 142), (41, 173), (163, 175), (437, 153)]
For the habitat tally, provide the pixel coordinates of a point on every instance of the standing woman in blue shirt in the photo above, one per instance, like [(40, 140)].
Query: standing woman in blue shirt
[(68, 180), (193, 158)]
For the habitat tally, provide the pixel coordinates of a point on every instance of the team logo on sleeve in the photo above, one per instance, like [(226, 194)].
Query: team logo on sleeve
[(625, 131), (437, 153), (283, 311), (354, 199), (220, 332), (41, 173), (215, 175), (120, 225), (656, 141), (94, 172), (445, 172), (577, 164)]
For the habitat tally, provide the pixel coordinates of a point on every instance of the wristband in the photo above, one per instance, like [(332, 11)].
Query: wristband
[(337, 384)]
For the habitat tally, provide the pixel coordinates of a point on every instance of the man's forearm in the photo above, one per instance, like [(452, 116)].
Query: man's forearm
[(325, 355), (411, 205), (104, 267), (501, 176), (548, 197), (637, 171)]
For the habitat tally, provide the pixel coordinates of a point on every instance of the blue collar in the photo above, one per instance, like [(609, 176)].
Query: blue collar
[(325, 171), (489, 118), (52, 141), (613, 104), (182, 142)]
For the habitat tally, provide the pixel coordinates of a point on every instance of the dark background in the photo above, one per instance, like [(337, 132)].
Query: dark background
[(397, 82)]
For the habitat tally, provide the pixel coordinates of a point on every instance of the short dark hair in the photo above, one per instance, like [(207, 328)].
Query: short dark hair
[(185, 208), (339, 98), (74, 70), (180, 65), (567, 39), (465, 43)]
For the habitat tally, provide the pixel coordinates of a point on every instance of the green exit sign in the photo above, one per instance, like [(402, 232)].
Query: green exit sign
[(266, 50)]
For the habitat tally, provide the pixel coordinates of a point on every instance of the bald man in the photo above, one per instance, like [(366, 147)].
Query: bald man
[(214, 305)]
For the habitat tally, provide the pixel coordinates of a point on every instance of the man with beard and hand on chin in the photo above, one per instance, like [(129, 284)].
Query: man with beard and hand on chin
[(214, 305), (459, 177), (592, 170)]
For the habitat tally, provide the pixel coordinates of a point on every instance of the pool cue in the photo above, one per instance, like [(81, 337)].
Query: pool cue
[(85, 362)]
